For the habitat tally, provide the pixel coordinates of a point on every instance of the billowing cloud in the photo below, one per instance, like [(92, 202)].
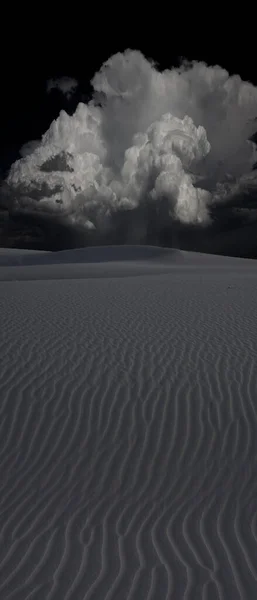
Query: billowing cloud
[(179, 137)]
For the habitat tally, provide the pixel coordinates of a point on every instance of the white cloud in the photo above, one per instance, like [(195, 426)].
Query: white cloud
[(154, 136)]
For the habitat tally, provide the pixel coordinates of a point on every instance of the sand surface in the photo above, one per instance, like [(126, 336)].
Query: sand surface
[(128, 425)]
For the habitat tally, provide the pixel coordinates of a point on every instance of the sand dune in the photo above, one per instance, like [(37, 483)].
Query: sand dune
[(128, 440)]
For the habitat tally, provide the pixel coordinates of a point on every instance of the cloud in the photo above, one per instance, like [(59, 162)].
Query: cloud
[(177, 139), (66, 85)]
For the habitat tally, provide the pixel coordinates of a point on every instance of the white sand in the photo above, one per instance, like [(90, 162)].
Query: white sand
[(128, 430)]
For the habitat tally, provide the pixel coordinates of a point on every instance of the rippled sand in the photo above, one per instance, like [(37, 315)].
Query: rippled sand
[(128, 425)]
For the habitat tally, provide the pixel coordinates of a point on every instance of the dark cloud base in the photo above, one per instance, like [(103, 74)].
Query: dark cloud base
[(233, 231)]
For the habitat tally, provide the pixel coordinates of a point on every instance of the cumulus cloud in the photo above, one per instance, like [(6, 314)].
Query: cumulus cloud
[(66, 85), (181, 136)]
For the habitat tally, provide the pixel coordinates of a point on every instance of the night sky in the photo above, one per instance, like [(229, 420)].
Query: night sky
[(38, 47)]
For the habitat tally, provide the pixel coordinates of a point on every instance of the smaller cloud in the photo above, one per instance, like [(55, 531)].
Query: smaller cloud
[(65, 85)]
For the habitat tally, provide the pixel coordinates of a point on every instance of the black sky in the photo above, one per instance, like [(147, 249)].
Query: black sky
[(75, 41), (42, 42)]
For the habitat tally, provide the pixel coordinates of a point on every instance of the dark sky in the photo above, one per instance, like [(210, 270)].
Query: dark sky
[(75, 42), (37, 44)]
